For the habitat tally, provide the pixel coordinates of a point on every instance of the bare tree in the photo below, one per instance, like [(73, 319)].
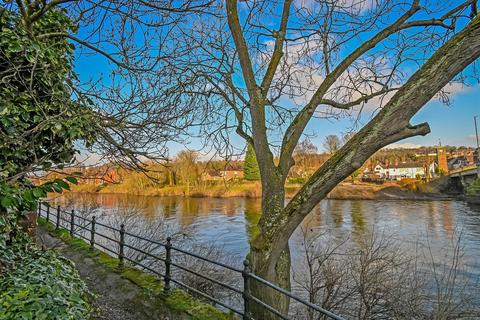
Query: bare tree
[(265, 69), (304, 152), (376, 278), (208, 270), (332, 143), (188, 169), (320, 59), (133, 99), (323, 275)]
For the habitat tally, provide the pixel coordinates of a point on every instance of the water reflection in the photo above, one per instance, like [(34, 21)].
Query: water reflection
[(230, 222), (358, 219), (336, 210), (252, 213)]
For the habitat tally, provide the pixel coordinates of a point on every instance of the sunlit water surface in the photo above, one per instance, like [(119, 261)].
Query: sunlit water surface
[(226, 223), (426, 230)]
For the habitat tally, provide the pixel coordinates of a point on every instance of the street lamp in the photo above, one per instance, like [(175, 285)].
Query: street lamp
[(478, 146), (476, 131)]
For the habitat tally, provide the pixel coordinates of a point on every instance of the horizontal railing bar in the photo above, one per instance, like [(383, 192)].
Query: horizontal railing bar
[(136, 263), (106, 226), (81, 236), (206, 278), (106, 237), (144, 252), (207, 296), (83, 227), (289, 294), (206, 259), (78, 216), (144, 239), (106, 248), (64, 220), (54, 214), (269, 308)]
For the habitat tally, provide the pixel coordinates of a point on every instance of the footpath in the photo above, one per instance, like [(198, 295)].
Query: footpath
[(126, 294)]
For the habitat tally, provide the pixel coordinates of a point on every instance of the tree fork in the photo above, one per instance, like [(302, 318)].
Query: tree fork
[(391, 124)]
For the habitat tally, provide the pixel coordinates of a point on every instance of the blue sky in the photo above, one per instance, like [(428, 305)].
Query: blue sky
[(452, 124)]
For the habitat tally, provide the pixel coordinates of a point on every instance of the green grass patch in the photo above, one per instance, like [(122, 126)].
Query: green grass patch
[(181, 301), (177, 300)]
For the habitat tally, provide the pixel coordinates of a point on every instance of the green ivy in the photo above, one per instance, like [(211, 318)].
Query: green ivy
[(40, 285), (41, 117), (474, 188)]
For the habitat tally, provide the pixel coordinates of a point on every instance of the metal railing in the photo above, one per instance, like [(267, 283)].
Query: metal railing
[(56, 218)]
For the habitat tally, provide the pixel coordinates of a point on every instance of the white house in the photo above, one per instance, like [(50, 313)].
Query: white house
[(380, 170), (405, 170), (402, 170)]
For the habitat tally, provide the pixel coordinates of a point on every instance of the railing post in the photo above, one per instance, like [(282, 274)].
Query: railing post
[(168, 261), (48, 213), (57, 226), (246, 290), (72, 222), (122, 244), (92, 233)]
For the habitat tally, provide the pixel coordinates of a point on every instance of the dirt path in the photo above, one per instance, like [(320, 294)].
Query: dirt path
[(116, 297)]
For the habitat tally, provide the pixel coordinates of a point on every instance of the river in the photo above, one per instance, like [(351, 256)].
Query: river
[(427, 230), (227, 222)]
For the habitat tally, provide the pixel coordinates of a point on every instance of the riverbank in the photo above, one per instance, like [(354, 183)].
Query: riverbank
[(252, 189), (123, 293)]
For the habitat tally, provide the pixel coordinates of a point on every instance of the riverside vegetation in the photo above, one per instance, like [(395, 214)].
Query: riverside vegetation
[(38, 126), (187, 175)]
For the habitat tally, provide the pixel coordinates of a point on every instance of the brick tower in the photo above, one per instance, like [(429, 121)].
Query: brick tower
[(442, 159)]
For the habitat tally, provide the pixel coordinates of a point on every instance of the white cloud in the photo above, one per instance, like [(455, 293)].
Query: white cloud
[(86, 158), (350, 5), (404, 145)]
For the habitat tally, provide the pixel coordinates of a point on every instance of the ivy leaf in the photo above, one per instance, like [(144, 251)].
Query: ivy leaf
[(38, 193), (62, 184), (6, 202), (72, 179)]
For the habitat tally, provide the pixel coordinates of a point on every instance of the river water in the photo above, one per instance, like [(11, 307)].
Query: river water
[(426, 232), (227, 223)]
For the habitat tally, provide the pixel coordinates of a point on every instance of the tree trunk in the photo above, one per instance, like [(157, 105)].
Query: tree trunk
[(279, 276), (276, 272)]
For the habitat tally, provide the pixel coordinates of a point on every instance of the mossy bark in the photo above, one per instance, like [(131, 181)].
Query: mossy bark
[(269, 250), (280, 276), (278, 272)]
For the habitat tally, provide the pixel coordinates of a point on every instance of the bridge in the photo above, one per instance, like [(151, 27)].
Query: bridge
[(465, 175)]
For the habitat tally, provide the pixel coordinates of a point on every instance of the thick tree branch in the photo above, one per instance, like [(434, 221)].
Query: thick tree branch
[(257, 101), (296, 128), (242, 48), (351, 104), (278, 49), (391, 124), (45, 8)]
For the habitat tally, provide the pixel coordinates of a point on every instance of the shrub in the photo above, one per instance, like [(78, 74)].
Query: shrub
[(474, 188), (297, 180), (40, 285)]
